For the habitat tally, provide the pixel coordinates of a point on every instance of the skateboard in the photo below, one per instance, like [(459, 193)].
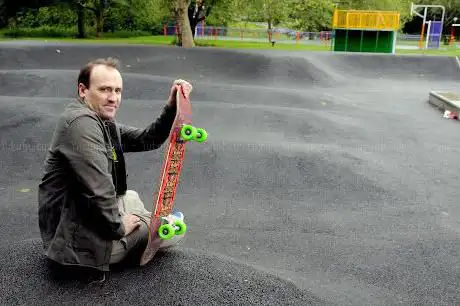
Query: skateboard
[(182, 132)]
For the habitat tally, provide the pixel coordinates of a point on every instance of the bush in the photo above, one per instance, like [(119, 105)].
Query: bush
[(124, 34), (61, 32), (158, 29), (139, 19), (44, 31), (202, 43), (46, 16)]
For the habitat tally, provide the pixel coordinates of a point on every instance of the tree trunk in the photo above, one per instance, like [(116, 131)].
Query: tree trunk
[(99, 22), (270, 32), (3, 16), (184, 30), (81, 22)]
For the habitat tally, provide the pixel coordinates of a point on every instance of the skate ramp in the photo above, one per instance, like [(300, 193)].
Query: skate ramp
[(178, 277), (335, 184), (215, 66), (374, 67)]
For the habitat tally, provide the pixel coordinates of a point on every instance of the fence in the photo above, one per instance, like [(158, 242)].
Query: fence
[(277, 35), (280, 35)]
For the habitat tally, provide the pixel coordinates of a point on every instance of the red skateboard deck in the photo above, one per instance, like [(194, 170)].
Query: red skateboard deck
[(182, 131)]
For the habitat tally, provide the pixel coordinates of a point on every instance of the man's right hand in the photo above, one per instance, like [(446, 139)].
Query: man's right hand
[(131, 222), (172, 94)]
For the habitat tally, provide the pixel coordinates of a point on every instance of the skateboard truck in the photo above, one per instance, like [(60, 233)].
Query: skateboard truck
[(169, 229), (189, 132)]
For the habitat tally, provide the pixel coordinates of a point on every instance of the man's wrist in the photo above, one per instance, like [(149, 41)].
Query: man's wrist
[(170, 103)]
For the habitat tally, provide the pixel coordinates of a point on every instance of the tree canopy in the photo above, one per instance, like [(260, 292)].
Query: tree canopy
[(151, 15)]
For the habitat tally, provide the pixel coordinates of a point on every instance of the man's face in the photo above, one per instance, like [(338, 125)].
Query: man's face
[(104, 93)]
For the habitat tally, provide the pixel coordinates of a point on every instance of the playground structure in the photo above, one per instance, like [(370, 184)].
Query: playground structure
[(434, 30), (365, 31)]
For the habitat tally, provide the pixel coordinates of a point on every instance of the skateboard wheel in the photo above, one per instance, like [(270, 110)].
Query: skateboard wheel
[(181, 227), (201, 135), (166, 231), (187, 132)]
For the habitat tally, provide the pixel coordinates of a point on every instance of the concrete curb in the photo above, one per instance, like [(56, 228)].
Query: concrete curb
[(445, 100)]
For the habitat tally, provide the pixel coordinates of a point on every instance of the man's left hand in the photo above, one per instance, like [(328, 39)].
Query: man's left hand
[(173, 92)]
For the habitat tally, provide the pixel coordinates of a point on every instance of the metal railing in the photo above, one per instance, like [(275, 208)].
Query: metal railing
[(276, 34)]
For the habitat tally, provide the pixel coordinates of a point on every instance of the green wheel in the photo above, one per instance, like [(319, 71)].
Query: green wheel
[(166, 231), (187, 132), (201, 135), (181, 227)]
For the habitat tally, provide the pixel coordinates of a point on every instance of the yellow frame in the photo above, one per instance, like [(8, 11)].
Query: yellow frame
[(372, 20)]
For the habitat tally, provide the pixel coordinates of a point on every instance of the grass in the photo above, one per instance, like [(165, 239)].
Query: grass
[(230, 44), (168, 40), (158, 40), (236, 44), (451, 51)]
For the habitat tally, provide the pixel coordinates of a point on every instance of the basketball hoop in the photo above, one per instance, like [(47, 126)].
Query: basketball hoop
[(413, 11)]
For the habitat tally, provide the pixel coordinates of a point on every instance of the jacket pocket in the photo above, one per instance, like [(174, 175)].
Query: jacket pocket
[(84, 243)]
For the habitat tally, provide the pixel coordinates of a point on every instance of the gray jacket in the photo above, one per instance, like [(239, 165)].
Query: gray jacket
[(77, 197)]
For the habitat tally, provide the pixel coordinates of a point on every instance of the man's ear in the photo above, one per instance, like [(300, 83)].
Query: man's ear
[(81, 90)]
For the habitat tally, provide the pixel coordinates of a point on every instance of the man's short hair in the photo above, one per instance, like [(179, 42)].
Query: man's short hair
[(85, 72)]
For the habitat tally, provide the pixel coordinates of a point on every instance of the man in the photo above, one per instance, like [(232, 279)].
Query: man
[(196, 14), (87, 217)]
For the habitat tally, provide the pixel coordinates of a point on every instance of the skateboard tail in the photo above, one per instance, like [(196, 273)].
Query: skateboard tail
[(153, 242)]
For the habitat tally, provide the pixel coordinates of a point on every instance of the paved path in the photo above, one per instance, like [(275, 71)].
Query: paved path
[(326, 179)]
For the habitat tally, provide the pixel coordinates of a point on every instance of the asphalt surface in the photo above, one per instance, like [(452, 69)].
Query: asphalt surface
[(326, 179)]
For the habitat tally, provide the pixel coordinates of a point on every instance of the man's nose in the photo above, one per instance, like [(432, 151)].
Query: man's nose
[(112, 97)]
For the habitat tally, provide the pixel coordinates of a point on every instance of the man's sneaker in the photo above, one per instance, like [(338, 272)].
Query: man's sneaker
[(176, 238)]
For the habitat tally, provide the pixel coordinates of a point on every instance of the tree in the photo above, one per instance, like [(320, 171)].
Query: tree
[(9, 8), (221, 12), (314, 15), (271, 11), (184, 29), (196, 14), (452, 9), (99, 8), (402, 6), (188, 15)]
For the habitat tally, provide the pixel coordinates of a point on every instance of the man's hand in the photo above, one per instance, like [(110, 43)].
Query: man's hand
[(172, 94), (131, 222)]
